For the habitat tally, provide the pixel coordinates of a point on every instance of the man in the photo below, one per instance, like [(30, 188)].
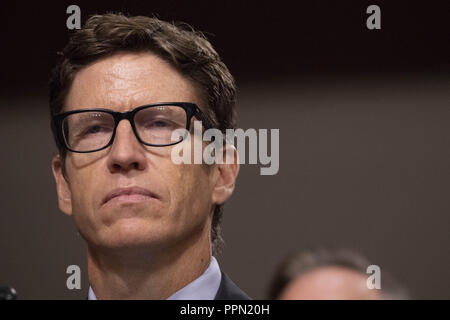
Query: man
[(123, 85), (330, 275)]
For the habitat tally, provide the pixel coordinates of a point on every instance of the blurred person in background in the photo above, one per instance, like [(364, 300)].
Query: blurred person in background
[(330, 275)]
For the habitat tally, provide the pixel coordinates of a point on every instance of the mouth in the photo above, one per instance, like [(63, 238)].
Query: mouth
[(129, 194)]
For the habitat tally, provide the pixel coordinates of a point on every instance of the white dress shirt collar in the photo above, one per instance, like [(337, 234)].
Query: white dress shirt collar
[(204, 287)]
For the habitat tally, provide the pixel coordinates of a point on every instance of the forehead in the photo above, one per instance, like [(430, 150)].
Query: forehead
[(335, 275), (127, 80), (331, 282)]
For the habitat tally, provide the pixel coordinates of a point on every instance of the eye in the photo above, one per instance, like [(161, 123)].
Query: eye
[(95, 129), (160, 124)]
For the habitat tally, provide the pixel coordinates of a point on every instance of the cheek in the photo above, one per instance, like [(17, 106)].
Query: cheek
[(189, 190), (84, 185), (192, 181)]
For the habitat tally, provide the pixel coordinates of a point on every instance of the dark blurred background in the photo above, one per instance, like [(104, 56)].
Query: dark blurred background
[(364, 137)]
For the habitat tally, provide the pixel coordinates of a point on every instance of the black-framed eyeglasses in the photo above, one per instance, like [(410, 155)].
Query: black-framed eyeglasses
[(90, 130)]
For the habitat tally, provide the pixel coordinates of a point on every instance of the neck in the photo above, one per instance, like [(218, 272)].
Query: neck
[(143, 273)]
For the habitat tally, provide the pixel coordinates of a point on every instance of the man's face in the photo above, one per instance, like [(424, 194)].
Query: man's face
[(183, 196)]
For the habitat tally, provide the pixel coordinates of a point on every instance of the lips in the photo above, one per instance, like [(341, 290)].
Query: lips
[(129, 191)]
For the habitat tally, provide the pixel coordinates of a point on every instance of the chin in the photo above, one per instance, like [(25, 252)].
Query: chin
[(132, 233)]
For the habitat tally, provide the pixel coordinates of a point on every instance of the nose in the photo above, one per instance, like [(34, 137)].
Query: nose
[(126, 152)]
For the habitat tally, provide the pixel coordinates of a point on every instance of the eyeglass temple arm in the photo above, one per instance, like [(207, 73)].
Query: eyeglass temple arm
[(207, 122)]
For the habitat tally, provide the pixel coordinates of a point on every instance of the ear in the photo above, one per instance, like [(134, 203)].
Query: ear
[(62, 186), (225, 175)]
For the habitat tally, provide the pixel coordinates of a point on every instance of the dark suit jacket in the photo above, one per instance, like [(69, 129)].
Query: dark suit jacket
[(229, 291)]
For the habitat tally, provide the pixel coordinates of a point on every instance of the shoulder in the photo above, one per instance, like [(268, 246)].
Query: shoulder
[(228, 290)]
